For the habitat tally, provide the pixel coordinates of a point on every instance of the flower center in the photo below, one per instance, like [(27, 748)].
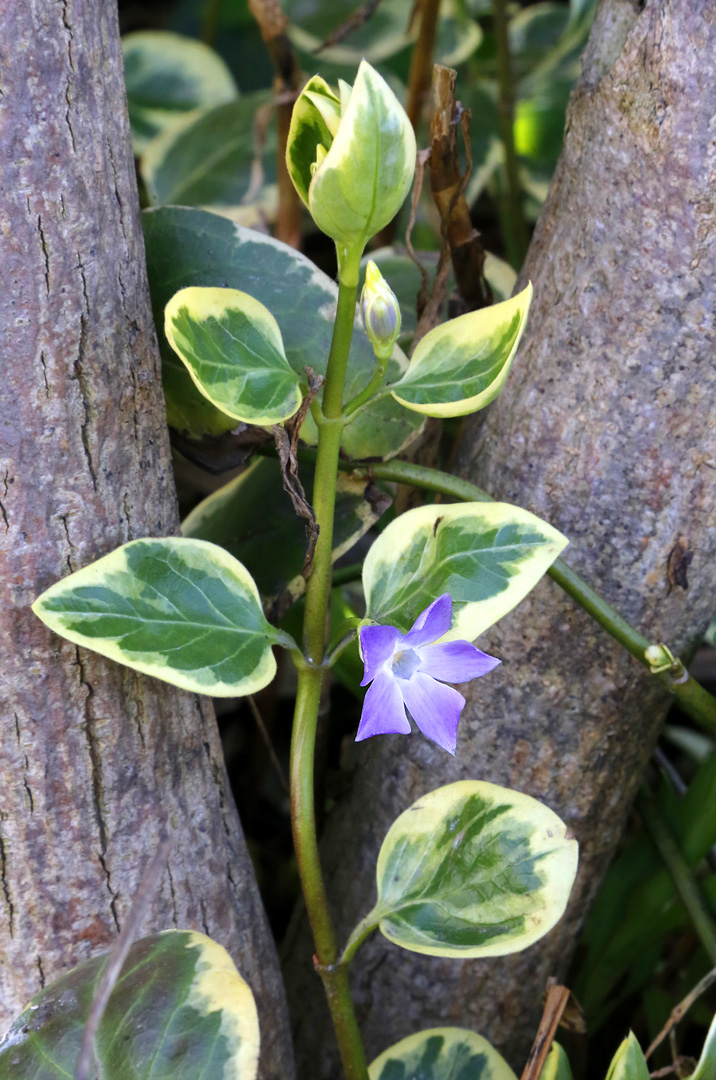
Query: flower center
[(405, 663)]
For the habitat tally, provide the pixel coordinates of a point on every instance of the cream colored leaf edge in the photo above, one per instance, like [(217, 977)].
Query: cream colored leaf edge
[(209, 556), (549, 834), (204, 303), (497, 1067), (629, 1062), (217, 986), (557, 1066), (462, 331), (706, 1068), (477, 615)]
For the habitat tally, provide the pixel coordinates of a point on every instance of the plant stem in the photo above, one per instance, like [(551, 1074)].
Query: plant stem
[(369, 391), (421, 63), (680, 871), (310, 681), (695, 701), (334, 976), (512, 215)]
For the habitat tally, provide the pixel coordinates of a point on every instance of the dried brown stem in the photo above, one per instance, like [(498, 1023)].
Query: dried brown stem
[(287, 79), (680, 1010), (555, 1003), (448, 182), (422, 59)]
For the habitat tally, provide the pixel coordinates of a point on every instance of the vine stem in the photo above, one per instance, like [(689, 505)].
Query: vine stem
[(310, 682), (693, 699)]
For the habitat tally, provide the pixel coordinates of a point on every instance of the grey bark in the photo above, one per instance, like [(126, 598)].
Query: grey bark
[(95, 760), (606, 429)]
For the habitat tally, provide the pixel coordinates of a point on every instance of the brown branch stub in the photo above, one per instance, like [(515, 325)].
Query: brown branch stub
[(555, 1003), (273, 25), (448, 182)]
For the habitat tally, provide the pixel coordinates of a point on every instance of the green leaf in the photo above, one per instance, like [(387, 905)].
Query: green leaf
[(461, 366), (191, 247), (473, 869), (180, 1010), (706, 1068), (253, 518), (208, 159), (629, 1062), (405, 280), (447, 1053), (168, 75), (184, 611), (232, 348), (488, 556), (556, 1067)]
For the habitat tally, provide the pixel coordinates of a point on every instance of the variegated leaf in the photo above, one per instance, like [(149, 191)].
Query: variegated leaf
[(208, 159), (556, 1067), (184, 611), (167, 76), (473, 869), (233, 350), (629, 1062), (191, 247), (706, 1068), (447, 1053), (179, 1011), (488, 556), (461, 366)]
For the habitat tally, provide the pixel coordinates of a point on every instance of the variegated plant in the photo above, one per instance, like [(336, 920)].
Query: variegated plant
[(471, 869)]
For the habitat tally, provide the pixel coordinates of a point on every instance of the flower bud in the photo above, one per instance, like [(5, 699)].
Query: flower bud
[(351, 157), (380, 311)]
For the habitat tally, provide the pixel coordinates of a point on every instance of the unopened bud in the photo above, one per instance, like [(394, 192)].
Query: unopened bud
[(381, 312)]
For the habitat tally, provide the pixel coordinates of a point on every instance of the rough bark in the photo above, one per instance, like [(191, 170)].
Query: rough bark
[(95, 760), (606, 429)]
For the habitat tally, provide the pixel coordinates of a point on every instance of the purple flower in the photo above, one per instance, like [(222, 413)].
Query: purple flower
[(409, 671)]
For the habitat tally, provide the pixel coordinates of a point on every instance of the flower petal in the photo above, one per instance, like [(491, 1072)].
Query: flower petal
[(435, 708), (455, 661), (377, 644), (432, 623), (383, 709)]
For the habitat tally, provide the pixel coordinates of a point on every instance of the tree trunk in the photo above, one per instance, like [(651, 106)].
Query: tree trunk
[(95, 760), (606, 429)]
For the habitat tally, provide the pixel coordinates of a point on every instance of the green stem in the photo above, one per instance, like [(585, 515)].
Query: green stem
[(310, 682), (334, 976), (513, 219), (365, 395), (696, 702), (680, 871), (330, 428), (361, 933)]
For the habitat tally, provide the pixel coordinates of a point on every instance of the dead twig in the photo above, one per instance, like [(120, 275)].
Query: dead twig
[(680, 1010), (555, 1003), (286, 438), (273, 25), (354, 22), (448, 183), (263, 732)]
